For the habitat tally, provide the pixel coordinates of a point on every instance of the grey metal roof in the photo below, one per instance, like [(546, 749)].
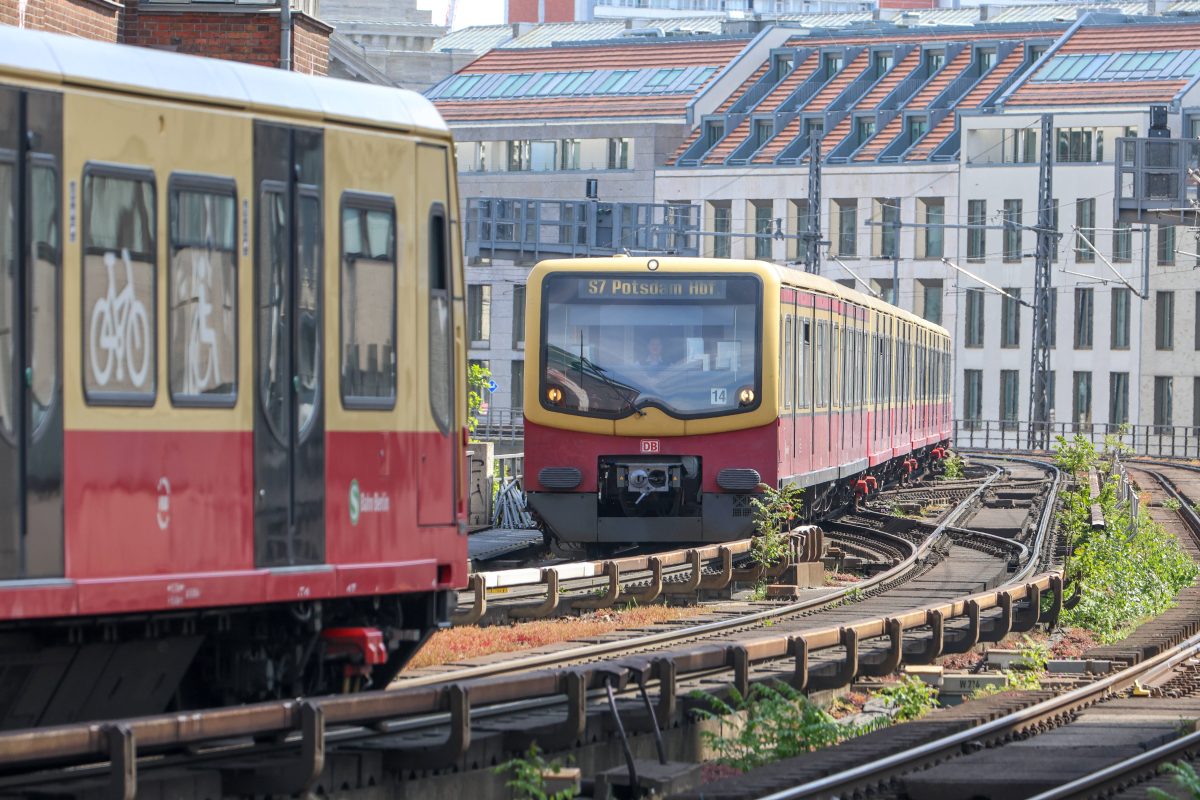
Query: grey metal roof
[(549, 33), (75, 61), (476, 39)]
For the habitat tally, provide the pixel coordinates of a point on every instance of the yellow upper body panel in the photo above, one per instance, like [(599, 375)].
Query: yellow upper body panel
[(653, 421)]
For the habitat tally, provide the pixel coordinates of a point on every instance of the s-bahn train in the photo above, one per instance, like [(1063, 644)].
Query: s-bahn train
[(232, 405), (668, 389)]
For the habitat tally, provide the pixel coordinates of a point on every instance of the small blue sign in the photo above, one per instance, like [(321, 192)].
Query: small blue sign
[(493, 386)]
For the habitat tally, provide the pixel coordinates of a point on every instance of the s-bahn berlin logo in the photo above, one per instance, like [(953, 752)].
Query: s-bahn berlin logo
[(367, 503)]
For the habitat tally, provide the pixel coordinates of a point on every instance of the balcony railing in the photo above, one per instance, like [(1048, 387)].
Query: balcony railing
[(523, 229)]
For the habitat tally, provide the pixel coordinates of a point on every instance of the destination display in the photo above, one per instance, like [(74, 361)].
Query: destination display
[(647, 287)]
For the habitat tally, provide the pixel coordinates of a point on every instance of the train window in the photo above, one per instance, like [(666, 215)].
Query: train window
[(368, 302), (202, 291), (273, 243), (805, 363), (822, 367), (789, 361), (440, 370), (838, 385), (119, 246)]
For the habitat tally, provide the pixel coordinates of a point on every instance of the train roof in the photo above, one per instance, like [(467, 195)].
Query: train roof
[(141, 70), (786, 275)]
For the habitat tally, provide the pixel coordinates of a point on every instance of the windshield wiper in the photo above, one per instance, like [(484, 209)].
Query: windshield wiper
[(629, 400)]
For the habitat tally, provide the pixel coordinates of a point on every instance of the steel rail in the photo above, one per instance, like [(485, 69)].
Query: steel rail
[(708, 628), (186, 728), (1055, 706)]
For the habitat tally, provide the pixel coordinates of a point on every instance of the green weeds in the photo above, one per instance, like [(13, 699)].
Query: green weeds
[(775, 511), (1185, 778), (952, 467), (1130, 570), (527, 782)]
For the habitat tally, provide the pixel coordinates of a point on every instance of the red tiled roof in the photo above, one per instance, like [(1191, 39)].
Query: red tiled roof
[(777, 145), (1116, 92), (738, 92), (789, 84), (1131, 38), (728, 143), (607, 56), (945, 128), (683, 148), (556, 107)]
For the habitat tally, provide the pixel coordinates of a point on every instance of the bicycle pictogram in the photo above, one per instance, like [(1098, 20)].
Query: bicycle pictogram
[(203, 365), (120, 329)]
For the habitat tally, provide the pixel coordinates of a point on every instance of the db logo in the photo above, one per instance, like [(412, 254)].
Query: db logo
[(650, 446)]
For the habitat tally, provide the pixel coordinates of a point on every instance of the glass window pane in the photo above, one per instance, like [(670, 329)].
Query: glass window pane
[(368, 304), (273, 290), (307, 358), (43, 325), (202, 295), (118, 287), (8, 262)]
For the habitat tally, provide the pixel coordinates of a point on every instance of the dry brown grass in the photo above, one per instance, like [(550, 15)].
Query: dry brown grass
[(471, 641)]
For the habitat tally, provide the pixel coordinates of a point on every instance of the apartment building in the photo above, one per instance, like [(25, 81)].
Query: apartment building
[(928, 150)]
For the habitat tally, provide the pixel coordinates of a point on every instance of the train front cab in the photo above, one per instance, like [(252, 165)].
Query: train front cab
[(654, 418)]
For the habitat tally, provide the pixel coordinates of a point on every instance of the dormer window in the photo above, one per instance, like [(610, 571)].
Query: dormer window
[(864, 129), (883, 61), (832, 63), (917, 127), (934, 60), (986, 58)]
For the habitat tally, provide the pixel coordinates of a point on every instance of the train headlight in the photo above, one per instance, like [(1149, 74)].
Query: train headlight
[(554, 395), (746, 395)]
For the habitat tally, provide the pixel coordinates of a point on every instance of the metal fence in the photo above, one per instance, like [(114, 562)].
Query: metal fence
[(1164, 441), (500, 425)]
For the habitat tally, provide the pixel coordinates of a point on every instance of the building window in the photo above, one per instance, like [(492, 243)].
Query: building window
[(1081, 398), (618, 153), (517, 392), (1163, 387), (931, 212), (1196, 404), (1118, 398), (804, 225), (1050, 378), (763, 130), (1120, 319), (518, 318), (1010, 319), (762, 229), (1009, 397), (479, 314), (1196, 320), (931, 301), (1054, 225), (886, 235), (1166, 245), (976, 232), (1053, 316), (569, 154), (917, 127), (722, 218), (1164, 321), (202, 293), (518, 156), (1085, 221), (1123, 242), (972, 397), (543, 156), (1084, 311), (368, 304), (846, 212), (974, 318), (1079, 145), (1019, 146), (1012, 230)]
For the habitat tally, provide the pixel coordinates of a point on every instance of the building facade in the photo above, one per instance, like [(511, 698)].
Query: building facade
[(929, 150), (263, 33)]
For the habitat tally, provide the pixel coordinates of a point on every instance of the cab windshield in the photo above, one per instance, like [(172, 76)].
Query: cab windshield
[(615, 344)]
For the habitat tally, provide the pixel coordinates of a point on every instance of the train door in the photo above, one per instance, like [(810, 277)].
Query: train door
[(289, 426), (438, 475), (31, 417)]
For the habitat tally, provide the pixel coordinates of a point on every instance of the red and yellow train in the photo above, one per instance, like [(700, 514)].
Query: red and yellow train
[(232, 405), (668, 389)]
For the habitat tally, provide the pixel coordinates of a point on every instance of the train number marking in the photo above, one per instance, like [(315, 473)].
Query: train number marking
[(718, 397), (651, 446)]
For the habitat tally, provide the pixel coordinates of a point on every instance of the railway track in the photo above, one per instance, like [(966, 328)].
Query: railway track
[(959, 595), (1105, 738)]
